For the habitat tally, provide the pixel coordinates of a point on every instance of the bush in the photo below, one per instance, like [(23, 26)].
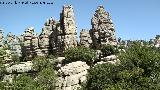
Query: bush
[(2, 52), (41, 62), (16, 58), (139, 69), (46, 79), (80, 54), (108, 50), (101, 76), (24, 82), (2, 67)]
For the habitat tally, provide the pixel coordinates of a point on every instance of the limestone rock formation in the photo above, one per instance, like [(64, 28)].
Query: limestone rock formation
[(20, 68), (10, 37), (1, 38), (17, 69), (16, 47), (68, 26), (44, 37), (102, 31), (157, 41), (28, 36), (85, 38), (64, 34), (72, 75)]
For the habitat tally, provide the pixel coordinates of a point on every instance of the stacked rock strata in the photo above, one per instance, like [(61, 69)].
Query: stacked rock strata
[(68, 25), (28, 49), (157, 41), (64, 34), (72, 75), (1, 38), (85, 38), (17, 69), (57, 36), (102, 31)]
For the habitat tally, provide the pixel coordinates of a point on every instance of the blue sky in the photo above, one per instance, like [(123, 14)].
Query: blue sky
[(133, 19)]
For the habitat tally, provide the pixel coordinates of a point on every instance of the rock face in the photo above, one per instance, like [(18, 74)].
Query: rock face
[(85, 38), (17, 69), (72, 75), (102, 31), (1, 38), (20, 68), (157, 41), (64, 35), (68, 26), (57, 36), (28, 49), (16, 47), (44, 37)]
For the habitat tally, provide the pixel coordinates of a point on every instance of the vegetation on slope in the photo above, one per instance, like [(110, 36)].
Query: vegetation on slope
[(139, 70)]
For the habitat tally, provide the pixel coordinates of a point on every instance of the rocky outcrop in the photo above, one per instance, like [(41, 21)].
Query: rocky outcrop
[(157, 41), (68, 26), (109, 59), (28, 50), (85, 38), (1, 38), (16, 69), (72, 75), (20, 68), (44, 37), (102, 31), (16, 47), (57, 36), (64, 34)]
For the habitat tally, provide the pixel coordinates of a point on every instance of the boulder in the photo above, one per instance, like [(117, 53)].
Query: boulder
[(71, 75), (20, 68)]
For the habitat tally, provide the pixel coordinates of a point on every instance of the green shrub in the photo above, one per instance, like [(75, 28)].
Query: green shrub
[(108, 50), (2, 67), (24, 82), (16, 58), (139, 69), (80, 54), (41, 62), (2, 52), (47, 79)]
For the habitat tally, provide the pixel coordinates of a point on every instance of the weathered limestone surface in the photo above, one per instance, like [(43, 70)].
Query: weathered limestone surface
[(20, 68), (28, 35), (16, 47), (17, 69), (64, 35), (68, 26), (72, 75), (157, 41), (1, 38), (109, 59), (102, 31), (7, 58), (44, 37), (85, 38)]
